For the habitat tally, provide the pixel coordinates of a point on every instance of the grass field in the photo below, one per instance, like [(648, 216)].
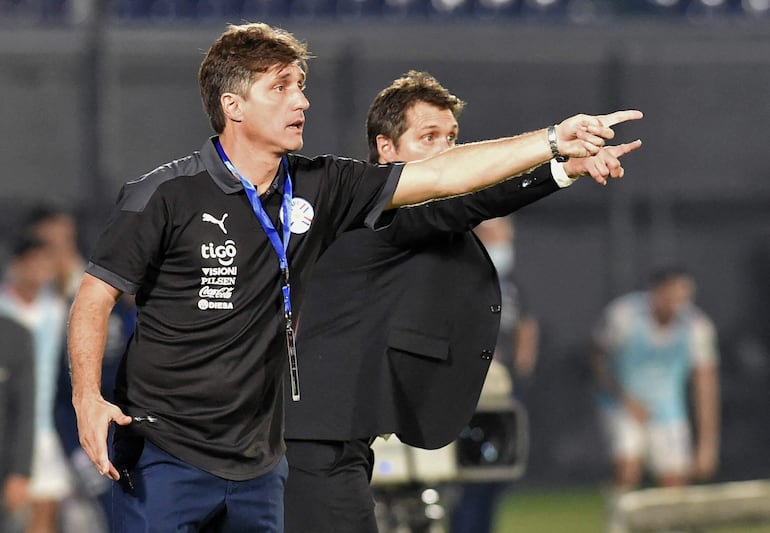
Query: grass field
[(568, 511)]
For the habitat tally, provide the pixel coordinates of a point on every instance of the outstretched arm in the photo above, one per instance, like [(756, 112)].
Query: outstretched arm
[(413, 225), (471, 167), (89, 317)]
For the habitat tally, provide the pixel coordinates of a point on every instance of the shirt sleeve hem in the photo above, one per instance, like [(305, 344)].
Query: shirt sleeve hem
[(385, 197), (113, 279)]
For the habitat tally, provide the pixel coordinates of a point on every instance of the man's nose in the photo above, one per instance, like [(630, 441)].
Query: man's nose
[(302, 101)]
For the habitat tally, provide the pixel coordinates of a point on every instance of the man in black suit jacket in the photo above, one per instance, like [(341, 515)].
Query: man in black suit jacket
[(399, 325)]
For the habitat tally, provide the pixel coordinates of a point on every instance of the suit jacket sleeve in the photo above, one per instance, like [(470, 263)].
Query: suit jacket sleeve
[(421, 224)]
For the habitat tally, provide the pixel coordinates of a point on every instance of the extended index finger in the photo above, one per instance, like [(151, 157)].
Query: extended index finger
[(619, 150), (620, 116)]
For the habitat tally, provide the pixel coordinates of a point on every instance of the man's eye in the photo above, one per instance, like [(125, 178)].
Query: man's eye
[(428, 138), (279, 88)]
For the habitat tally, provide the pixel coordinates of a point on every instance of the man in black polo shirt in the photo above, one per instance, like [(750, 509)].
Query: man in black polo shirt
[(206, 244)]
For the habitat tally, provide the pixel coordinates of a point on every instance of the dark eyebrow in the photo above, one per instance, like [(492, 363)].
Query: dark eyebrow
[(429, 127), (286, 74)]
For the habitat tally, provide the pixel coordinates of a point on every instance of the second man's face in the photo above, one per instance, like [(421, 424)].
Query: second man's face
[(430, 131)]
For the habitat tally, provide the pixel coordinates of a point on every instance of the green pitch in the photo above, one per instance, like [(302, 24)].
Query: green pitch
[(568, 511)]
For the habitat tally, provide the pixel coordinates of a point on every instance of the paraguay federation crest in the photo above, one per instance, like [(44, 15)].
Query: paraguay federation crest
[(301, 216)]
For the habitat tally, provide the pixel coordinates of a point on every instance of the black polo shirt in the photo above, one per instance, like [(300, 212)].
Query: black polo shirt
[(208, 353)]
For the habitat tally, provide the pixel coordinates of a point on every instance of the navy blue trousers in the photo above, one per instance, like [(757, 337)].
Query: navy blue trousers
[(168, 495)]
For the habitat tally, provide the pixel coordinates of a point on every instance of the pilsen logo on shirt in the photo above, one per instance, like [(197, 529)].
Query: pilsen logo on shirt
[(301, 217)]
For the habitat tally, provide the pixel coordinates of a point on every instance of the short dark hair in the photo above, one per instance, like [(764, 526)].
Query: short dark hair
[(25, 243), (239, 54), (665, 273), (387, 114), (43, 212)]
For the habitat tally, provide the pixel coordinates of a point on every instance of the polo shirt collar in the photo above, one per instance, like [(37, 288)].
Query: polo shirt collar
[(223, 178)]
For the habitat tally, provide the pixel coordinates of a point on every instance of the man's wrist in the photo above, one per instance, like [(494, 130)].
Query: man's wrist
[(560, 175), (554, 146)]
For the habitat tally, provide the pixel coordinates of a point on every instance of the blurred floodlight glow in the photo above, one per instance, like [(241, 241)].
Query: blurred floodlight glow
[(542, 4), (446, 5), (712, 3), (495, 4), (756, 7), (665, 3)]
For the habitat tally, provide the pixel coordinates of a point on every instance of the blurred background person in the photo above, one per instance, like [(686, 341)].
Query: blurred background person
[(56, 227), (89, 507), (648, 347), (26, 295), (515, 357), (519, 336), (17, 415)]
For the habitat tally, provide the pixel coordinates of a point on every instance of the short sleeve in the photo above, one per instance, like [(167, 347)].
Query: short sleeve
[(346, 193), (130, 246), (703, 341), (612, 329)]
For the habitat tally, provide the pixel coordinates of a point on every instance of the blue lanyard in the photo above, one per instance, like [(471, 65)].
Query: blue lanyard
[(281, 248)]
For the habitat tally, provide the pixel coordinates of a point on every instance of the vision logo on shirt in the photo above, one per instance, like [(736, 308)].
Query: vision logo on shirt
[(219, 222)]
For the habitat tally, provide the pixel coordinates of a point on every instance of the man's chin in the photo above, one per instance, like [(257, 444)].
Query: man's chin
[(296, 146)]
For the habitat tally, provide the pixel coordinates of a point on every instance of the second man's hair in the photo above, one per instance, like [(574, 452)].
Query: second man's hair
[(387, 114)]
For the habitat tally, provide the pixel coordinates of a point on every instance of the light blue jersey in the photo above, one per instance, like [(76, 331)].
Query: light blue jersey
[(653, 363), (45, 319)]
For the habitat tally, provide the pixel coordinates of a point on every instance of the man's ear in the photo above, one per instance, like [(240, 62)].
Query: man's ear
[(231, 106), (386, 149)]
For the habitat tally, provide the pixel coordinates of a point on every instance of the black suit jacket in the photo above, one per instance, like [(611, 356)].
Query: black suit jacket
[(398, 325)]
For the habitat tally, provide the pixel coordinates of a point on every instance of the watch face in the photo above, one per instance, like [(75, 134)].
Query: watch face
[(554, 147)]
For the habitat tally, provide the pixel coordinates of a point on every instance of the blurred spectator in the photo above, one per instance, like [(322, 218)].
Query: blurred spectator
[(516, 351), (648, 347), (17, 412), (57, 228), (26, 296), (519, 337)]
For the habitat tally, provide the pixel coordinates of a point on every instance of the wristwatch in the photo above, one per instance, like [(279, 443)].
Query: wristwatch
[(554, 148)]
